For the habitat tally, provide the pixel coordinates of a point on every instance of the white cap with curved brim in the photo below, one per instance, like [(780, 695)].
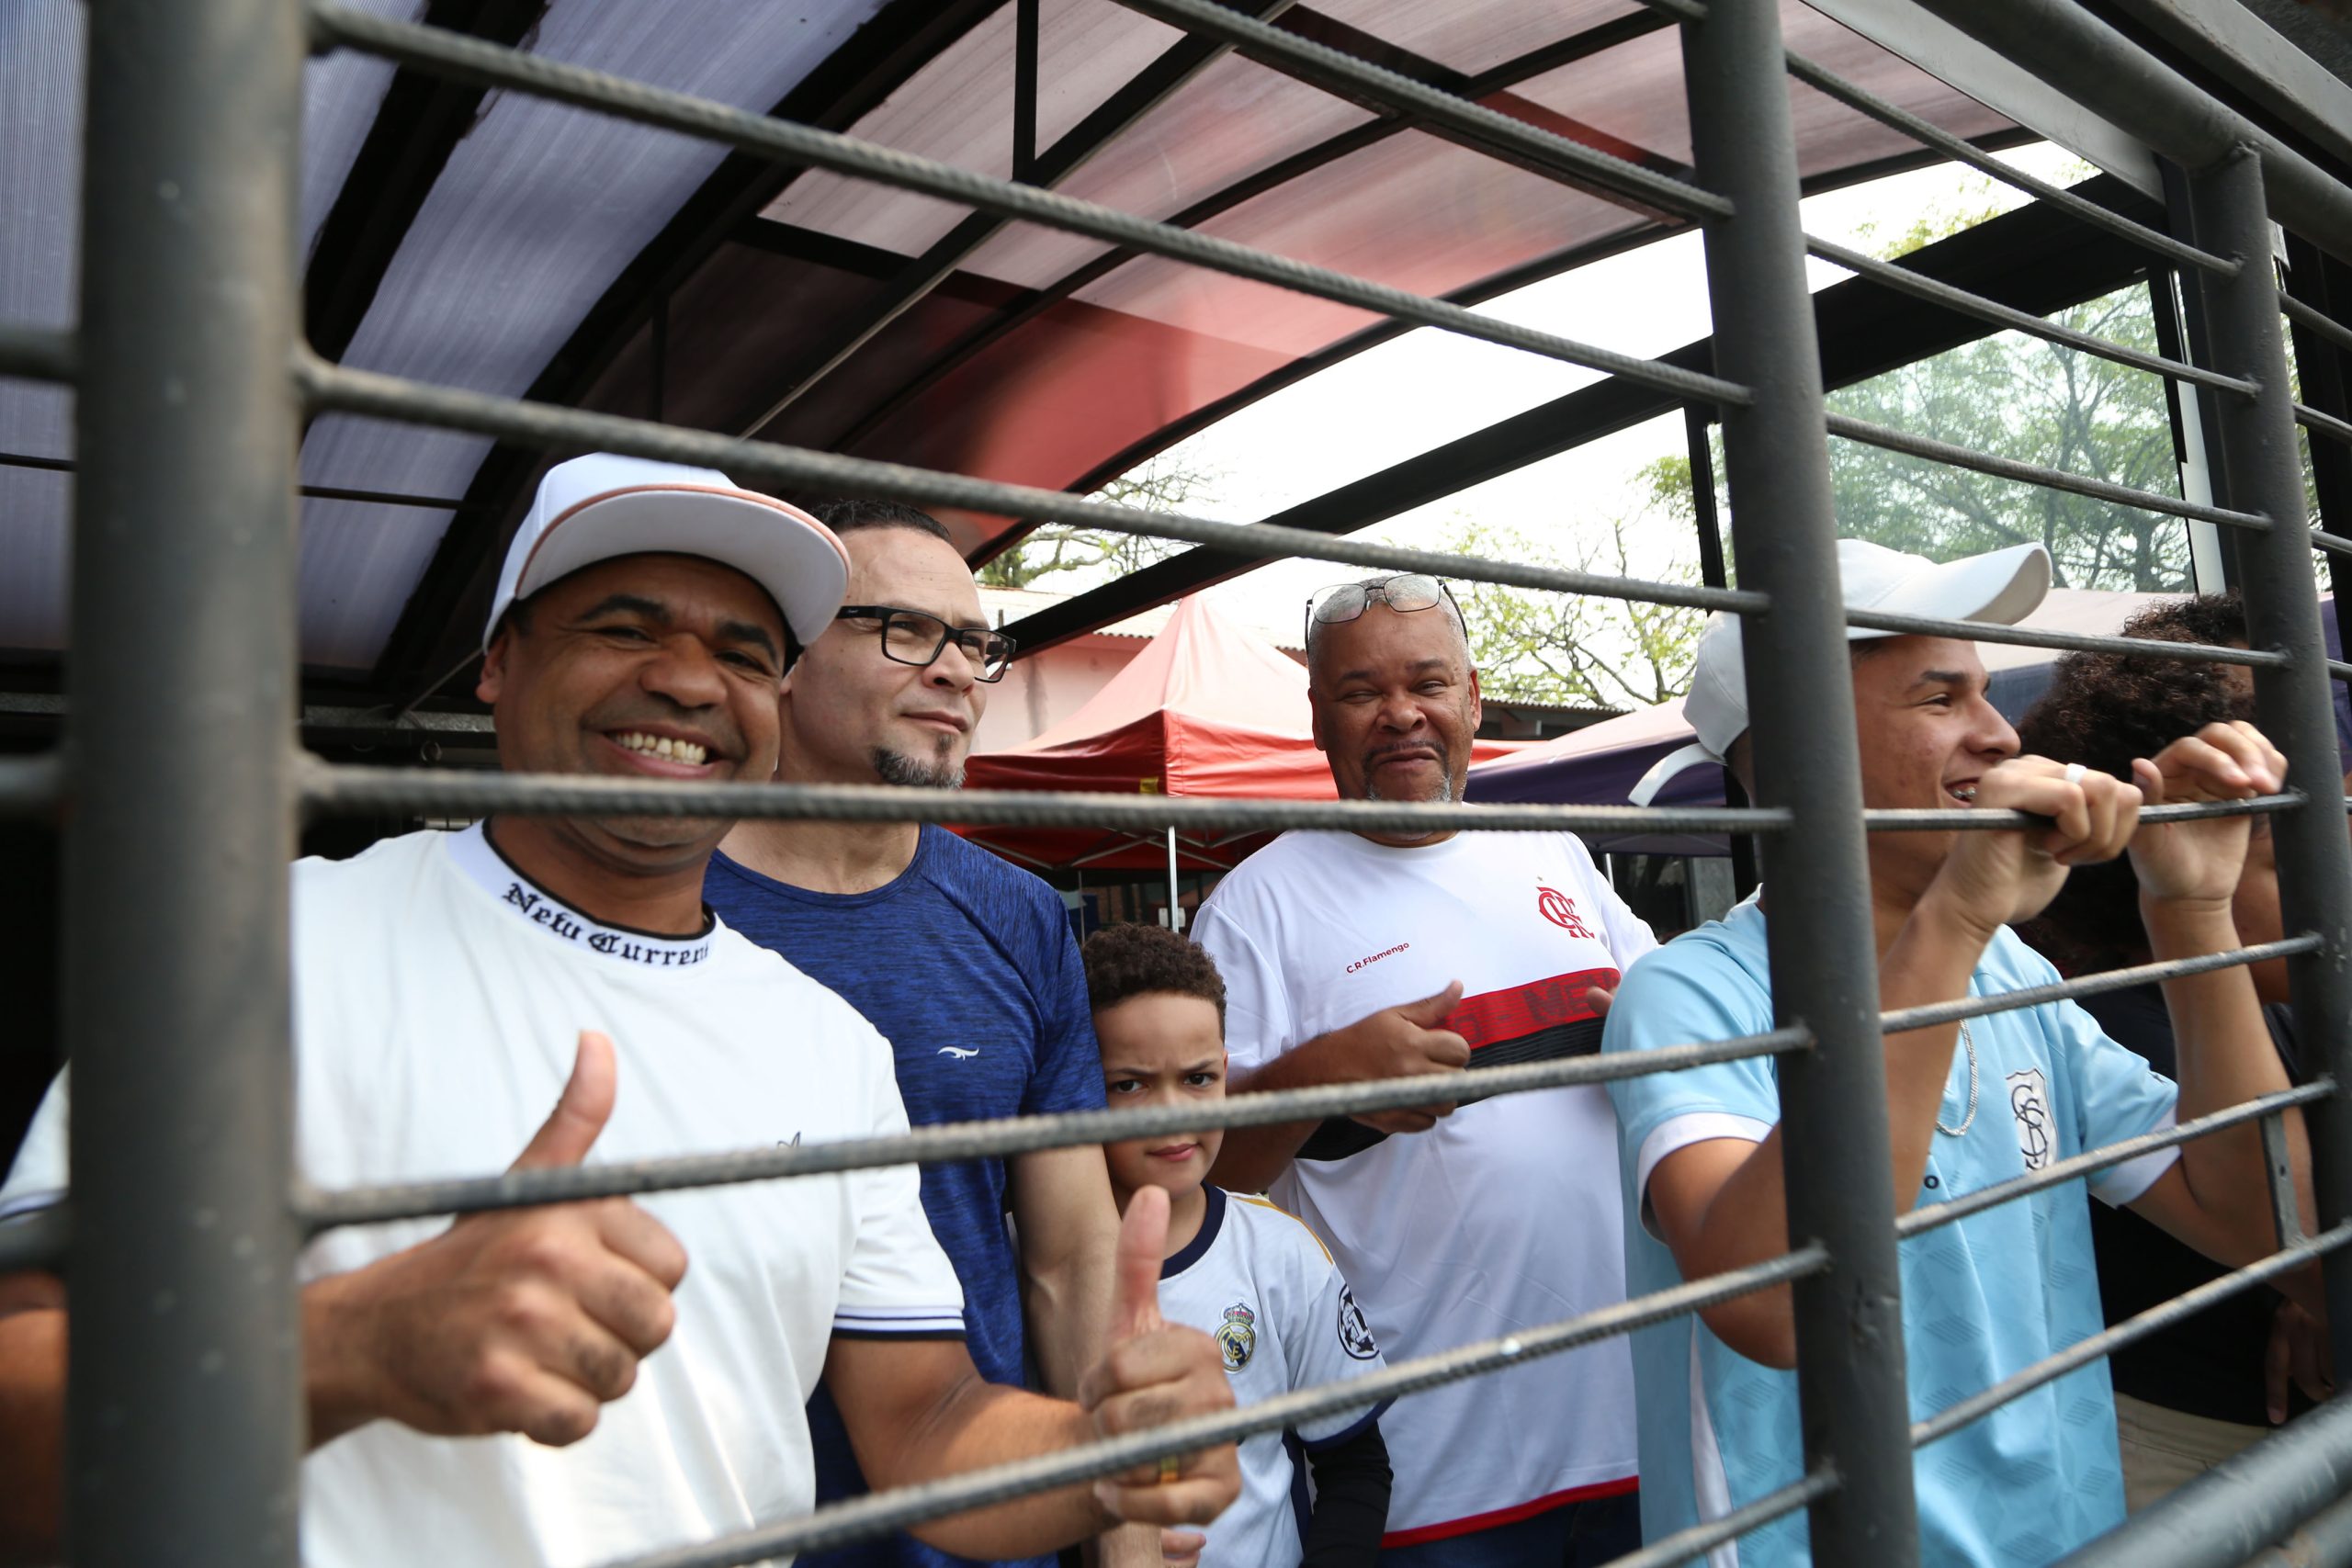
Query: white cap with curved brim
[(1999, 588), (594, 508)]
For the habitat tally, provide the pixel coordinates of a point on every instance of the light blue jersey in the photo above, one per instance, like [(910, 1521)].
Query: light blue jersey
[(1982, 1299)]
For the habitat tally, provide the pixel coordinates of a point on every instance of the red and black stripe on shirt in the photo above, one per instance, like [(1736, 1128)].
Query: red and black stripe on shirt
[(1540, 1020)]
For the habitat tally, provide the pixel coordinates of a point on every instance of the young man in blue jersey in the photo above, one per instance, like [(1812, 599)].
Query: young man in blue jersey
[(966, 964), (1968, 1106)]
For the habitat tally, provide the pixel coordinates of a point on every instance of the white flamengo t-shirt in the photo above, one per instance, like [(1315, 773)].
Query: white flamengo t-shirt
[(1505, 1217), (440, 997)]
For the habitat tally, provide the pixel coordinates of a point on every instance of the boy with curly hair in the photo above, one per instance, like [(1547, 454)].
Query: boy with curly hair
[(1250, 1275)]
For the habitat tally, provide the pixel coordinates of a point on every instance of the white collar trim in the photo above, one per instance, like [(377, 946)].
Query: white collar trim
[(525, 901)]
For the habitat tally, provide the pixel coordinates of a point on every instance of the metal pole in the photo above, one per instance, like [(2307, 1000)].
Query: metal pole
[(1850, 1367), (1175, 912), (185, 1417), (2294, 703)]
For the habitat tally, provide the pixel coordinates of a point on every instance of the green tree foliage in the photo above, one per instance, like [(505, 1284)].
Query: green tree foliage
[(1573, 650), (2024, 398), (1166, 483)]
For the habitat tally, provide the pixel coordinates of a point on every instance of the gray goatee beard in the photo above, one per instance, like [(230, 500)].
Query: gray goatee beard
[(898, 768), (1444, 790)]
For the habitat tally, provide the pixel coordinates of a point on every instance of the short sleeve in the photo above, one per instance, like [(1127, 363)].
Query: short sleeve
[(1687, 992), (2117, 1096), (1258, 1025), (1070, 1064), (896, 1280), (1335, 1344), (37, 1179)]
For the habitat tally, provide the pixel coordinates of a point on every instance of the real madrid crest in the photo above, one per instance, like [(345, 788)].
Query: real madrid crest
[(1236, 1339)]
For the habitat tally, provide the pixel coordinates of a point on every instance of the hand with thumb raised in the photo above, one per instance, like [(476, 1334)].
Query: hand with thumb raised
[(521, 1320), (1152, 1374)]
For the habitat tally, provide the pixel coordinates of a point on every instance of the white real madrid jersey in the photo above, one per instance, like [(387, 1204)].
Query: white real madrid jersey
[(439, 997), (1256, 1281), (1507, 1214)]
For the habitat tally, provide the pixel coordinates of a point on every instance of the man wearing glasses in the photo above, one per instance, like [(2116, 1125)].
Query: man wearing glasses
[(966, 964), (1360, 956)]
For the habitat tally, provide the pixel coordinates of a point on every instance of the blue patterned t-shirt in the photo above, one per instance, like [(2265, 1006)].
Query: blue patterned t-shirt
[(1982, 1298), (969, 967)]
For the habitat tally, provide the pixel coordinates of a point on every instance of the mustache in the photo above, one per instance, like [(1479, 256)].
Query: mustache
[(1398, 748)]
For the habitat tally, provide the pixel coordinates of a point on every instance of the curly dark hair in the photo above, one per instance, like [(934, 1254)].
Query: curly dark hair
[(1136, 961), (2103, 710)]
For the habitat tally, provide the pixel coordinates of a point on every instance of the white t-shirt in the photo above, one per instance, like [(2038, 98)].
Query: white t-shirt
[(1259, 1283), (440, 997), (1506, 1215)]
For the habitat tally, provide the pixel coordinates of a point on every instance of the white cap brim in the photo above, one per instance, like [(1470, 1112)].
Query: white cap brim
[(791, 555), (1999, 588), (1664, 770)]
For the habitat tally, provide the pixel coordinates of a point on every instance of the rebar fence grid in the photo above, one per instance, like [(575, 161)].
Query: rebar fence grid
[(1028, 1134), (1775, 451), (455, 55), (879, 1513), (2319, 423)]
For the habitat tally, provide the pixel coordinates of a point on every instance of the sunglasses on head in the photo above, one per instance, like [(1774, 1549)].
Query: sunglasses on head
[(1346, 600)]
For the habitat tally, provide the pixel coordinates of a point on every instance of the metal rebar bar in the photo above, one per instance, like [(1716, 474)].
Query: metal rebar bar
[(1929, 1014), (1912, 445), (183, 1420), (2295, 704), (1920, 287), (1850, 1366), (2328, 543), (355, 790), (2314, 318), (448, 54), (1960, 150), (1697, 1540), (2071, 642), (2219, 1519), (1359, 79), (38, 354), (2323, 1540), (2131, 1331), (1005, 1137), (2325, 424), (881, 1513), (343, 390), (1935, 1216)]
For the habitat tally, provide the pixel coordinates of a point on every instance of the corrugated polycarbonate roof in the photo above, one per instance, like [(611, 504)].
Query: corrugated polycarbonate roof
[(1041, 358)]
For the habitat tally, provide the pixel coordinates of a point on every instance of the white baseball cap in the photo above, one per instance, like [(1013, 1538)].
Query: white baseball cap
[(1999, 588), (594, 508)]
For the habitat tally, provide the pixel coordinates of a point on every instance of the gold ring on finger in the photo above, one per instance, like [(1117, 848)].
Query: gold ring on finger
[(1171, 1467)]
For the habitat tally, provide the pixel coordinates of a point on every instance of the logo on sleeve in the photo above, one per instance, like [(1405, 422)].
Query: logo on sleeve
[(1237, 1340), (1355, 1333), (2029, 1103), (1561, 910)]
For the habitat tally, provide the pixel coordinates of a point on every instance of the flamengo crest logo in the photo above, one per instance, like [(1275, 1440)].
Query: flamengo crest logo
[(1561, 910)]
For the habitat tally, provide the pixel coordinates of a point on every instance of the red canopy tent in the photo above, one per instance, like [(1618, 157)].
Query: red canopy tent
[(1207, 708)]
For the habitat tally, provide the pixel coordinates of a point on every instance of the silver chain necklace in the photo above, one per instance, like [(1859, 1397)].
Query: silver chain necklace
[(1968, 1120)]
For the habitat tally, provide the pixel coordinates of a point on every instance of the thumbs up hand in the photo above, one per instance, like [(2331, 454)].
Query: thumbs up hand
[(1152, 1374), (521, 1320)]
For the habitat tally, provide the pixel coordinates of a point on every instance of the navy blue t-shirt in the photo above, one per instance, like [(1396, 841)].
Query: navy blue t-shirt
[(967, 966)]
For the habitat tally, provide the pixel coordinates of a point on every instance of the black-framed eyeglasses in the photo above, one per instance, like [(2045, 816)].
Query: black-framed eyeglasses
[(1406, 592), (915, 637)]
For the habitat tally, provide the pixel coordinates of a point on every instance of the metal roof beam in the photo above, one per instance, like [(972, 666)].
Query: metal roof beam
[(2033, 259), (916, 281)]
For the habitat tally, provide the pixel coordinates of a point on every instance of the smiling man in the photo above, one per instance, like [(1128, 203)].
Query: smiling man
[(633, 1373), (1351, 957), (965, 963), (1968, 1106)]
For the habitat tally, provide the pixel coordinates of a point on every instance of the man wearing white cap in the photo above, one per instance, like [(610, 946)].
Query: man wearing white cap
[(451, 987), (1989, 1294)]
